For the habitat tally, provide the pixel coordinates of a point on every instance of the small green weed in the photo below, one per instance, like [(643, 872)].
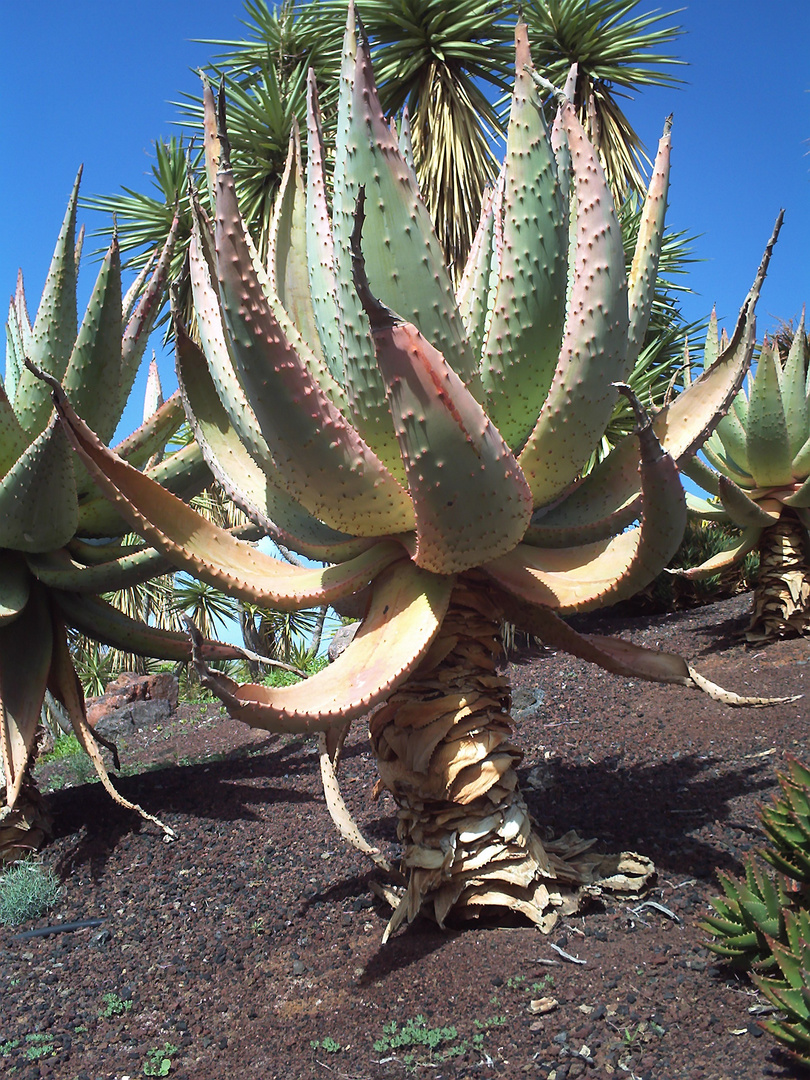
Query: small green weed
[(159, 1062), (7, 1045), (113, 1006), (27, 891), (65, 746), (330, 1045), (416, 1044), (38, 1046)]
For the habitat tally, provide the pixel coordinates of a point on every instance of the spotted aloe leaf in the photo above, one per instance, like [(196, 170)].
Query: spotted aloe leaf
[(593, 353), (305, 433), (14, 588), (38, 509), (768, 444), (194, 544), (251, 484), (522, 342)]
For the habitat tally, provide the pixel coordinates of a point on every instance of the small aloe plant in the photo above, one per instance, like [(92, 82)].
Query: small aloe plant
[(427, 444), (762, 924), (759, 474), (61, 543)]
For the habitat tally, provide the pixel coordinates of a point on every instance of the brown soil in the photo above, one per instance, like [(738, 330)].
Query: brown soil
[(250, 948)]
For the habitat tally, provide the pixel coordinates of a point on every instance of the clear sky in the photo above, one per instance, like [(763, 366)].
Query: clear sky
[(92, 81)]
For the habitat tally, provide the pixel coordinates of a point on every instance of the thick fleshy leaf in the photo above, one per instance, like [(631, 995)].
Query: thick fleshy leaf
[(26, 646), (15, 586), (251, 484), (471, 500), (524, 336), (93, 377), (54, 330), (644, 269), (745, 512), (153, 434), (731, 433), (622, 657), (139, 327), (13, 439), (184, 473), (59, 570), (582, 578), (594, 349), (794, 390), (474, 292), (322, 460), (768, 445), (607, 492), (320, 244), (405, 265), (38, 510), (406, 611), (287, 264), (102, 622), (194, 544), (724, 559), (800, 497)]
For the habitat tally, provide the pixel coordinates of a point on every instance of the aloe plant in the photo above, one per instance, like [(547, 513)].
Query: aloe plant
[(427, 446), (60, 541), (763, 922), (759, 474)]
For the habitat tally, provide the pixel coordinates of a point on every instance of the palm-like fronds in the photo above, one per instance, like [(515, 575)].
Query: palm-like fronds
[(617, 51)]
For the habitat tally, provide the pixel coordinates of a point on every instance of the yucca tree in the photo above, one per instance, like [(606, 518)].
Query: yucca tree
[(61, 544), (426, 446), (448, 63), (759, 474), (617, 50)]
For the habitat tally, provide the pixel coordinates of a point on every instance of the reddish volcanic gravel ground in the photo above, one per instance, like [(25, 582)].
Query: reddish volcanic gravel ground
[(250, 948)]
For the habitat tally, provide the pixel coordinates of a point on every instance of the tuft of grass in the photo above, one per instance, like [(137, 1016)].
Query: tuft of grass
[(66, 746), (27, 891)]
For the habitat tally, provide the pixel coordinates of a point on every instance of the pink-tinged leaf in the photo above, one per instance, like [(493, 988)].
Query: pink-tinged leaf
[(192, 543), (471, 500), (211, 141), (26, 647), (644, 269), (524, 334), (592, 575), (323, 461), (63, 683), (107, 624), (251, 484), (594, 349), (406, 611), (140, 325)]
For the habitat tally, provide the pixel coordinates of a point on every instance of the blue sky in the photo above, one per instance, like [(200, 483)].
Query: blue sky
[(91, 81)]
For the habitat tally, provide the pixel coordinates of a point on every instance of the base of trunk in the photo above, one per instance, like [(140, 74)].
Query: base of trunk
[(25, 828), (444, 751), (782, 595)]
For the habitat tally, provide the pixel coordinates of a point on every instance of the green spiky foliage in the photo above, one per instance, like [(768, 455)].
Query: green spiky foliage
[(427, 446), (763, 922), (758, 472), (62, 544)]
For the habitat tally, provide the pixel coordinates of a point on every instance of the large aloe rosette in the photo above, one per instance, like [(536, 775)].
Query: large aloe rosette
[(426, 446)]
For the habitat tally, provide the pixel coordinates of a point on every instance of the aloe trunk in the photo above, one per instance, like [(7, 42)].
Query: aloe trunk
[(782, 594), (445, 751)]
